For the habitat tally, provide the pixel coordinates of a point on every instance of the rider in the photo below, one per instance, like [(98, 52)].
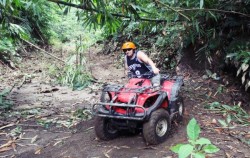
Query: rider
[(138, 63)]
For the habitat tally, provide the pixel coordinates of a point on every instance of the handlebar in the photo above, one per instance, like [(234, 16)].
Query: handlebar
[(146, 75)]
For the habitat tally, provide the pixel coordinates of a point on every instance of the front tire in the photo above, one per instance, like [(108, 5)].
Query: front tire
[(104, 129), (105, 97), (156, 130)]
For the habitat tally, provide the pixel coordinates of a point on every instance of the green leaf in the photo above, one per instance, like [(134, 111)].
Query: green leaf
[(3, 2), (209, 73), (238, 71), (210, 148), (244, 67), (192, 141), (203, 141), (201, 4), (215, 18), (185, 150), (214, 105), (99, 17), (176, 148), (5, 92), (197, 26), (227, 107), (193, 129), (199, 155), (231, 55), (229, 118), (243, 78), (223, 123), (247, 85), (1, 99)]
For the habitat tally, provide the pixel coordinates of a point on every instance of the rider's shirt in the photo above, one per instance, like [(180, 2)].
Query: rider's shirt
[(137, 67)]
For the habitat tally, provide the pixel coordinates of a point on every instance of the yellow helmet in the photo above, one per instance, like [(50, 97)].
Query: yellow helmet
[(128, 45)]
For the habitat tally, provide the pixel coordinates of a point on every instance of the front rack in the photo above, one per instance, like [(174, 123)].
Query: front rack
[(119, 88)]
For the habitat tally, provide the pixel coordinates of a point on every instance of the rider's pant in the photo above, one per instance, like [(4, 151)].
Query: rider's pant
[(156, 80)]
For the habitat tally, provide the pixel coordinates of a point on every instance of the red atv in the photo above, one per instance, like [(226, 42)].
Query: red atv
[(138, 106)]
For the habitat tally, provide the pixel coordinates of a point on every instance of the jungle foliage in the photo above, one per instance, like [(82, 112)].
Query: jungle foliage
[(23, 20), (216, 31)]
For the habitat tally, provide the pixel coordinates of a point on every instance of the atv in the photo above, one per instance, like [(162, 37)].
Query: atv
[(139, 106)]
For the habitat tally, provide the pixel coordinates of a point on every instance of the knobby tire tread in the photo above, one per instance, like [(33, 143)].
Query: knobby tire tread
[(101, 130), (149, 127)]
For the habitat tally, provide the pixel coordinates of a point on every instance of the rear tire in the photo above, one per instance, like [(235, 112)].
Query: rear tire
[(180, 109), (156, 130), (104, 129)]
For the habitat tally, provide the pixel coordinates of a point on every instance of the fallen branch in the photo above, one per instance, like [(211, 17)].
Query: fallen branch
[(62, 138), (77, 103), (23, 81), (27, 125), (106, 153), (43, 50), (9, 125), (8, 146), (4, 156), (90, 128)]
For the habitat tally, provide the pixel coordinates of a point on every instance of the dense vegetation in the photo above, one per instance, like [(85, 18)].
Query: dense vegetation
[(216, 31)]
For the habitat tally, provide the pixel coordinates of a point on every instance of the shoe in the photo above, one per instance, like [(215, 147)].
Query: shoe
[(156, 85)]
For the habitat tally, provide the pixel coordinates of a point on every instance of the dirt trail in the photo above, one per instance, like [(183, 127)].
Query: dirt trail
[(43, 122)]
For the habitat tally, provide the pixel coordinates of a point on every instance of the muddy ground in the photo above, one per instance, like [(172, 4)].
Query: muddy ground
[(48, 120)]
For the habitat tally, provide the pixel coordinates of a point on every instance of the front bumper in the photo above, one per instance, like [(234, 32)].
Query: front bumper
[(100, 109)]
